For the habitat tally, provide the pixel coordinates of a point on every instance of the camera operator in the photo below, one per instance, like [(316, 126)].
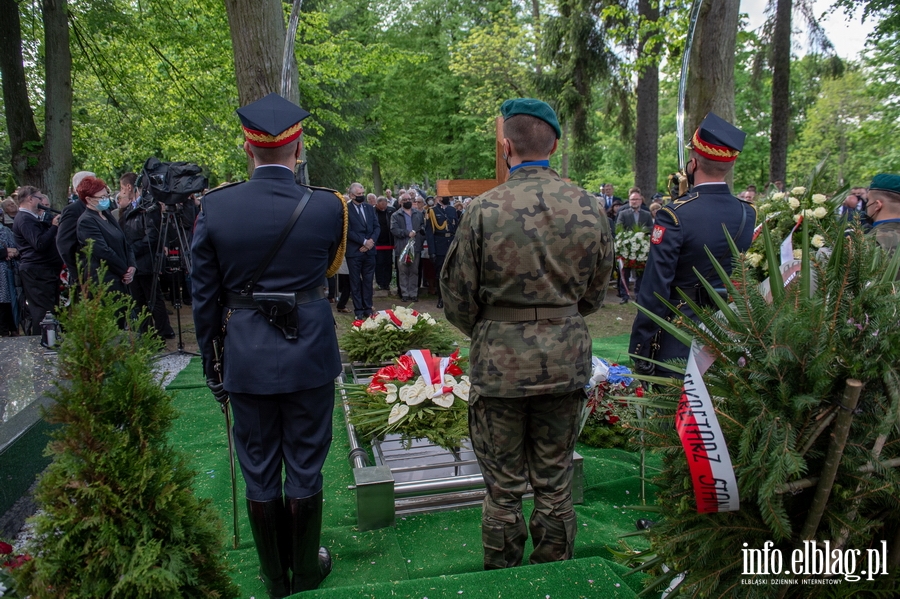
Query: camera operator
[(141, 225)]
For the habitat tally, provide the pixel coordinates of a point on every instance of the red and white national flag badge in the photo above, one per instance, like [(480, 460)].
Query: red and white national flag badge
[(657, 236)]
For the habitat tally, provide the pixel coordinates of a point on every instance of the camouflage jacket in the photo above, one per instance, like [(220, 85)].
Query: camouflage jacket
[(532, 241), (887, 235)]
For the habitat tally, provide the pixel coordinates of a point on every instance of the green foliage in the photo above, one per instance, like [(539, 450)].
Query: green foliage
[(10, 185), (445, 427), (119, 518), (386, 342), (780, 370)]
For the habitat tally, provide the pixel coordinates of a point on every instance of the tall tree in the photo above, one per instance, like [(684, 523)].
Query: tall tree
[(646, 133), (711, 83), (781, 90), (44, 161)]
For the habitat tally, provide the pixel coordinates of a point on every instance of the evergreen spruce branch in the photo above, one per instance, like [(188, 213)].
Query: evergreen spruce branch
[(832, 461), (777, 289), (665, 324)]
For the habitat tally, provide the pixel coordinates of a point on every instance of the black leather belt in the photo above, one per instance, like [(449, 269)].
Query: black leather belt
[(504, 314), (236, 301), (698, 294)]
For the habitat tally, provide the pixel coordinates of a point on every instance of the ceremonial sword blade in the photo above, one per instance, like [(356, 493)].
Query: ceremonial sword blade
[(682, 84)]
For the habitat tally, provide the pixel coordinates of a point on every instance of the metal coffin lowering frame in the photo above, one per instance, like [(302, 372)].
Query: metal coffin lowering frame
[(418, 479)]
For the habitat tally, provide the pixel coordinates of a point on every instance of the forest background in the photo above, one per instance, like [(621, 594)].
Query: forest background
[(406, 91)]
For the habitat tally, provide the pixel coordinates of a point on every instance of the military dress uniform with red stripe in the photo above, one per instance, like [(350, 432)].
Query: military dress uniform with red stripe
[(678, 242), (281, 386)]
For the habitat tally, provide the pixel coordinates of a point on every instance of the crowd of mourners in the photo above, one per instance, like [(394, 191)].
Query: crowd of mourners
[(410, 233)]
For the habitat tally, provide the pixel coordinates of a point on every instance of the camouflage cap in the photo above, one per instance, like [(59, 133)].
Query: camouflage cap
[(531, 107), (885, 182)]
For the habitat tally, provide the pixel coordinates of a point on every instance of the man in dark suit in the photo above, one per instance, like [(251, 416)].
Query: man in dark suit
[(441, 221), (67, 237), (681, 234), (607, 196), (362, 231), (384, 258), (628, 218), (279, 374)]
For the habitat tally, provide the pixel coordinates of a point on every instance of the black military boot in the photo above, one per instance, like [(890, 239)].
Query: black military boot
[(270, 526), (310, 563)]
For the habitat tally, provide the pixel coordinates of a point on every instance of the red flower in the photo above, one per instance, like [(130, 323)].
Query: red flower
[(5, 548), (454, 369), (639, 392), (612, 419), (405, 368), (357, 323)]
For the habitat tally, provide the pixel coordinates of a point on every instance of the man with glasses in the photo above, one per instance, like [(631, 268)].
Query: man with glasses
[(39, 262)]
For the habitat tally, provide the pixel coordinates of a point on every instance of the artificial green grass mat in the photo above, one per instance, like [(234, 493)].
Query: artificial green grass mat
[(426, 555), (614, 349)]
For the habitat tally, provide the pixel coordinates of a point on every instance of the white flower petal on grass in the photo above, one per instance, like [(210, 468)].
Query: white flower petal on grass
[(398, 412), (445, 400)]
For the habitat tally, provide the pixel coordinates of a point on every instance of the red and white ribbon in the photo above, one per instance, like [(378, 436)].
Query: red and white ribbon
[(787, 246), (432, 368), (715, 486)]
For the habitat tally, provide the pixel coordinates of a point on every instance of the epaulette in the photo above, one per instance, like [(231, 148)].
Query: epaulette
[(681, 201), (668, 209), (222, 186)]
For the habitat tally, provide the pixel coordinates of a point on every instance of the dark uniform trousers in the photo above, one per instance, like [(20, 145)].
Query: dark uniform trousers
[(291, 427), (41, 287), (513, 437)]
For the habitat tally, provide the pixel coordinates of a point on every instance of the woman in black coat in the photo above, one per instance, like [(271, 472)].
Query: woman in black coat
[(110, 246)]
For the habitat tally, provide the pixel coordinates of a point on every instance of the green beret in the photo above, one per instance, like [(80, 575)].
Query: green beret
[(884, 182), (531, 107)]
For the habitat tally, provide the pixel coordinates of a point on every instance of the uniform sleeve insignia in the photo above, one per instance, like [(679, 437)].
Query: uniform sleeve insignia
[(657, 236)]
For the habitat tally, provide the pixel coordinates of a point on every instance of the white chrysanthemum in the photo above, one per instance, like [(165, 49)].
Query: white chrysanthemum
[(369, 324), (778, 195), (817, 241), (809, 213), (794, 202), (798, 191), (820, 212), (798, 254), (754, 259), (639, 235), (398, 412), (819, 198), (445, 400)]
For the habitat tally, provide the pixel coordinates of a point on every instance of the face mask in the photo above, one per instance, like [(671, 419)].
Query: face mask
[(445, 201), (359, 199), (103, 204), (407, 205)]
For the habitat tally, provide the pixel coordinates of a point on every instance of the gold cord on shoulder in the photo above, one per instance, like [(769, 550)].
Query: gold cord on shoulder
[(342, 248), (433, 220)]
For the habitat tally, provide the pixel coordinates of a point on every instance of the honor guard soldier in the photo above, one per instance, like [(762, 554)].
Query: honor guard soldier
[(680, 236), (530, 259), (883, 209), (441, 221), (261, 252)]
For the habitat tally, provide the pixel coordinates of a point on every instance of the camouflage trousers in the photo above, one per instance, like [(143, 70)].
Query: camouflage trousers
[(517, 441)]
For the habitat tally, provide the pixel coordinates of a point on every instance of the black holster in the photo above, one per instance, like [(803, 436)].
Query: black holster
[(280, 309)]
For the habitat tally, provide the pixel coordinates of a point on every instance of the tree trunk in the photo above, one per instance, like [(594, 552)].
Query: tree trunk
[(781, 88), (377, 182), (646, 134), (257, 40), (56, 157), (536, 26), (564, 151), (711, 79), (43, 162)]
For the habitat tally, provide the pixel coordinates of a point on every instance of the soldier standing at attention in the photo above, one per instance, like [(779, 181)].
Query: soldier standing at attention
[(883, 208), (682, 232), (279, 369), (441, 221), (530, 258)]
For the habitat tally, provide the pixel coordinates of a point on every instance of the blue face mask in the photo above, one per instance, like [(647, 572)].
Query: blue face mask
[(103, 204)]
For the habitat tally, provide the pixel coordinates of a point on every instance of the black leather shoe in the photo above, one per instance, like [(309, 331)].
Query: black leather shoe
[(624, 300), (310, 562), (440, 303), (268, 523)]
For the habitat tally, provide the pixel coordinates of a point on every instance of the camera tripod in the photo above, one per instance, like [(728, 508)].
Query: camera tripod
[(176, 264)]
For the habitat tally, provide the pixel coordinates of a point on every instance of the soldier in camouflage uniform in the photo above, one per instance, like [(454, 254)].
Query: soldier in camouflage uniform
[(531, 257), (883, 208)]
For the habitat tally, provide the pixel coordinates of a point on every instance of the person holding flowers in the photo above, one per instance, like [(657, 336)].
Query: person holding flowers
[(530, 258)]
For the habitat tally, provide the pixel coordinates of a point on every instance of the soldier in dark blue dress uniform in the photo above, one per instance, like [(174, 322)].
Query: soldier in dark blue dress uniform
[(441, 221), (281, 382), (682, 231)]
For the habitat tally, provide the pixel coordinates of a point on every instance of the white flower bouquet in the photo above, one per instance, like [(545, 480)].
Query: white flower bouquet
[(389, 333), (632, 247)]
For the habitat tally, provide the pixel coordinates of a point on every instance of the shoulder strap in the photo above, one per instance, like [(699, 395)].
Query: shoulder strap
[(248, 288)]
